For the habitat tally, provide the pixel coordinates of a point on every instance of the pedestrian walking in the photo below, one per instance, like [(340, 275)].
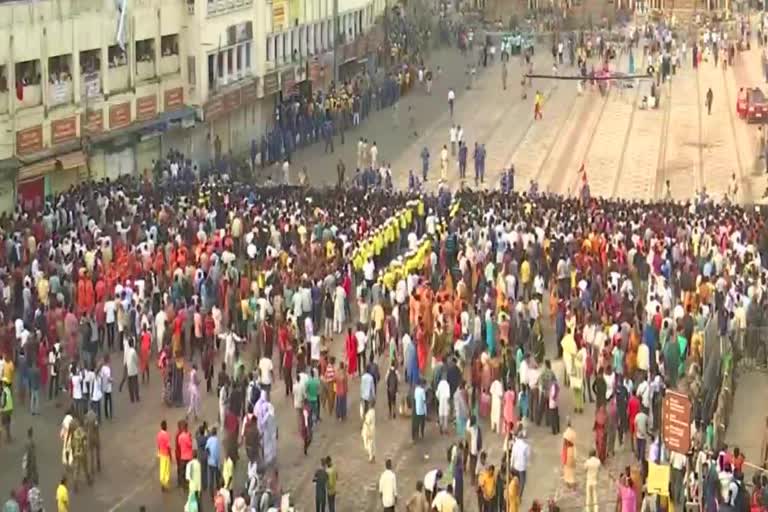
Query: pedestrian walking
[(388, 487), (709, 99), (163, 443), (369, 434), (321, 487), (451, 100)]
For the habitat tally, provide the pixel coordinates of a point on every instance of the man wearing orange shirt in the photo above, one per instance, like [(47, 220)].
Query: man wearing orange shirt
[(164, 456), (185, 449)]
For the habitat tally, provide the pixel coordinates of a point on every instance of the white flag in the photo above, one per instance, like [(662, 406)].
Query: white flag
[(121, 8)]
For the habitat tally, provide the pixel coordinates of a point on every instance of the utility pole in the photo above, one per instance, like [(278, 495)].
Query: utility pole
[(335, 41)]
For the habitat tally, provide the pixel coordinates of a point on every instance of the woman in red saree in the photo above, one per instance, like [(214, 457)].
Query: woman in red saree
[(601, 418), (351, 352), (422, 348)]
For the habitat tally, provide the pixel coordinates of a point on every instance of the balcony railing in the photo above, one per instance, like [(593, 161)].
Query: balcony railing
[(216, 7), (118, 78), (32, 96), (145, 69), (169, 65), (60, 93)]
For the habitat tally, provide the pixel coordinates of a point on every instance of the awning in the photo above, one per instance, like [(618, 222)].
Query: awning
[(160, 123), (66, 161)]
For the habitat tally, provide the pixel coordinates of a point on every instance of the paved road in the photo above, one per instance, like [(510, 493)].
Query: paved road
[(550, 151)]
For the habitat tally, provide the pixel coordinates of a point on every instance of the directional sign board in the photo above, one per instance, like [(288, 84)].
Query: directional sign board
[(676, 422)]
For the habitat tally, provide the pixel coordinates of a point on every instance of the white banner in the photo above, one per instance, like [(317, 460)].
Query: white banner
[(91, 85), (59, 92)]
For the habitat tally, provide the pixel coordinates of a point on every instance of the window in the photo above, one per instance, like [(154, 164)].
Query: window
[(230, 61), (211, 70), (28, 72), (3, 80), (169, 45), (220, 64), (90, 61), (145, 50), (117, 56), (247, 55), (191, 71), (59, 69), (270, 49)]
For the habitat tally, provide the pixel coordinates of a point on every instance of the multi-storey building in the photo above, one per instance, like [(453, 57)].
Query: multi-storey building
[(91, 89)]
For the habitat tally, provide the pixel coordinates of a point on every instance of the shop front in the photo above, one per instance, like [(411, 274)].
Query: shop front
[(47, 177), (227, 117), (48, 171)]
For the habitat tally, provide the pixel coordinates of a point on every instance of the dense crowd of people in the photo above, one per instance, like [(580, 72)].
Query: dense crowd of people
[(451, 294)]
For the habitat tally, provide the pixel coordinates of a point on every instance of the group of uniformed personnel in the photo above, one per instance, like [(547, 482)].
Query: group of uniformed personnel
[(386, 238)]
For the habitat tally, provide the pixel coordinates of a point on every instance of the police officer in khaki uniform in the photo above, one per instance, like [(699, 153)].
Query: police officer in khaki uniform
[(94, 443)]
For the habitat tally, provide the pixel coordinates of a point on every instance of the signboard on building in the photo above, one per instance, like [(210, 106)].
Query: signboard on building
[(63, 130), (146, 107), (60, 92), (288, 80), (29, 140), (271, 83), (173, 99), (119, 115), (225, 103), (232, 101), (239, 33), (279, 15), (214, 109), (676, 421), (94, 121), (250, 92)]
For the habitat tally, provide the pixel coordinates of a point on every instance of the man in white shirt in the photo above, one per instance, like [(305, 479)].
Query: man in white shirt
[(265, 374), (452, 137), (520, 456), (76, 381), (105, 374), (444, 500), (388, 487), (369, 269), (110, 312), (362, 344), (131, 361), (451, 100), (592, 466), (96, 392)]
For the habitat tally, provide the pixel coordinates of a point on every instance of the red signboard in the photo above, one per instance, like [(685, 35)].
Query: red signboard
[(676, 421), (250, 93), (63, 130), (214, 109), (232, 101), (174, 98), (146, 107), (119, 115), (94, 122), (29, 140)]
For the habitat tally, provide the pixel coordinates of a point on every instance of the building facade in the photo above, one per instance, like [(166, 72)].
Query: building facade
[(94, 89)]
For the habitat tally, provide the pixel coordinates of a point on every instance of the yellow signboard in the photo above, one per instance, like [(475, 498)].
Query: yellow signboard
[(658, 479), (279, 15)]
